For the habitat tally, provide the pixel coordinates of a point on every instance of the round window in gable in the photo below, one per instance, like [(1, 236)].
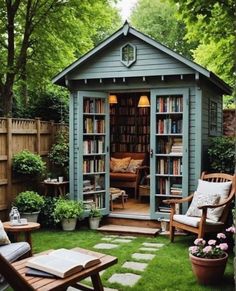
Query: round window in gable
[(128, 54)]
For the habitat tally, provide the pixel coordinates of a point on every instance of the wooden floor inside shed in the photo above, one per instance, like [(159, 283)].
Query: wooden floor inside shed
[(132, 206)]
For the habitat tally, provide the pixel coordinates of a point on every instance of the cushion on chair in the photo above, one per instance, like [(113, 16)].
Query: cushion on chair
[(133, 165), (210, 189), (193, 221), (14, 251), (119, 165), (4, 240)]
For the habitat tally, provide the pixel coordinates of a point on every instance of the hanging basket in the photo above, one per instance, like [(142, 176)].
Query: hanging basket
[(208, 271)]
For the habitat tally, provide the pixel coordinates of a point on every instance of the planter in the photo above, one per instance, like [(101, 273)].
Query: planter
[(68, 224), (208, 271), (30, 216), (94, 222)]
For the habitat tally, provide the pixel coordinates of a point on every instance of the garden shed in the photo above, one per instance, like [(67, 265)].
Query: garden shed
[(182, 109)]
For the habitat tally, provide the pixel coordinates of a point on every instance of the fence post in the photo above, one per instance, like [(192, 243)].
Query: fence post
[(9, 161), (52, 131), (38, 141)]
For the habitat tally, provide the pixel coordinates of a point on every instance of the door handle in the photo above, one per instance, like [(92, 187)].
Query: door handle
[(151, 153)]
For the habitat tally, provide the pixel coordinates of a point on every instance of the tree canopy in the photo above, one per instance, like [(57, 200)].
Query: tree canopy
[(40, 37)]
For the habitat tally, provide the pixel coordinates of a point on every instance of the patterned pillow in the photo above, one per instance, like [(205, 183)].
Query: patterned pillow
[(119, 165), (200, 199), (4, 240), (133, 165)]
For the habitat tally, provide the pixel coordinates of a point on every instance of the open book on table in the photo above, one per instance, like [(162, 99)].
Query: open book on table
[(62, 262)]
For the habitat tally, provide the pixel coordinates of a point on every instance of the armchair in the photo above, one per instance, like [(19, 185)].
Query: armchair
[(202, 224)]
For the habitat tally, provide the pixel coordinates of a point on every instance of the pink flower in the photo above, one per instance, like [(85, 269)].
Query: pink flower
[(207, 249), (223, 246), (193, 249), (212, 242), (221, 235), (199, 242), (231, 229)]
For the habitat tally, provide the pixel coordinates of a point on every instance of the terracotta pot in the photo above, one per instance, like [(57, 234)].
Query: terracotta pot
[(208, 271)]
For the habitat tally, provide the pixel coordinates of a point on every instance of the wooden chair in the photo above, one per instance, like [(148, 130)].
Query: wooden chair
[(203, 224)]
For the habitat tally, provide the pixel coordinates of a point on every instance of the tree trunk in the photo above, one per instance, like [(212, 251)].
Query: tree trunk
[(7, 99)]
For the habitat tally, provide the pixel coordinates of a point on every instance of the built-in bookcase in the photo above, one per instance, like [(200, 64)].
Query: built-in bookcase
[(169, 153), (129, 125), (94, 154)]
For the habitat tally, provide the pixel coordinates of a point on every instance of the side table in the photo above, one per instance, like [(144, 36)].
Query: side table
[(59, 188), (26, 229)]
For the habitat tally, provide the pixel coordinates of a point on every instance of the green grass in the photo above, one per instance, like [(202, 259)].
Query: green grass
[(169, 270)]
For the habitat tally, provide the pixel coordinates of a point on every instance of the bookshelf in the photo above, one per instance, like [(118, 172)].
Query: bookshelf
[(94, 157), (129, 125), (168, 153)]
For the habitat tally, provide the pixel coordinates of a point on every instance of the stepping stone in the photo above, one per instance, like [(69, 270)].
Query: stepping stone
[(110, 289), (146, 257), (153, 245), (149, 249), (127, 279), (104, 246), (121, 240), (135, 266), (129, 237), (105, 289), (107, 238)]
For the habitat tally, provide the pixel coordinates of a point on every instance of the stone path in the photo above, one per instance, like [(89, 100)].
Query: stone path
[(135, 266)]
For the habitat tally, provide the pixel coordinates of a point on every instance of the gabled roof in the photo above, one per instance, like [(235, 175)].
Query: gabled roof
[(127, 29)]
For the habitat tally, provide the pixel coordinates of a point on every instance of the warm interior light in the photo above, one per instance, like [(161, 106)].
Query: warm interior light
[(112, 99), (143, 101)]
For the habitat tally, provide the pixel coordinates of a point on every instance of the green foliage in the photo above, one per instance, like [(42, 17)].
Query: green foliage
[(29, 201), (46, 217), (59, 153), (159, 20), (222, 154), (28, 163), (95, 212), (68, 209)]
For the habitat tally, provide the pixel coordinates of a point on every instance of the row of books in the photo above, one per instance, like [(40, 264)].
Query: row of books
[(169, 104), (166, 209), (169, 166), (165, 187), (94, 125), (93, 166), (94, 105), (119, 147), (130, 129), (169, 146), (169, 125), (93, 146)]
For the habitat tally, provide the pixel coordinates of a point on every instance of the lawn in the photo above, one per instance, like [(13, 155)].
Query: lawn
[(169, 270)]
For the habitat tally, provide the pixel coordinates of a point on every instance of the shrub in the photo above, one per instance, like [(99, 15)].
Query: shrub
[(29, 201), (28, 163), (46, 216), (59, 153), (66, 209), (222, 154)]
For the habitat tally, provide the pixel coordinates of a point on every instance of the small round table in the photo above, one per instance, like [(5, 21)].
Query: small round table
[(26, 229)]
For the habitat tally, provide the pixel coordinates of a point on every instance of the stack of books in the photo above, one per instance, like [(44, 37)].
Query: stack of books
[(177, 147), (87, 186), (176, 189)]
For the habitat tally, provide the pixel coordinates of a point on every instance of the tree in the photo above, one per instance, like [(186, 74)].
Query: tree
[(40, 37), (159, 20), (212, 24)]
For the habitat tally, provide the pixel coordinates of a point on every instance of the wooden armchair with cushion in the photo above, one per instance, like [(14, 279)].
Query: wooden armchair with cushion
[(209, 208), (126, 169)]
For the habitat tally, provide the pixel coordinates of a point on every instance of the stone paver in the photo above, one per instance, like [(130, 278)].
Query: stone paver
[(129, 236), (107, 238), (153, 245), (135, 266), (146, 257), (104, 246), (121, 240), (105, 289), (149, 249), (127, 279)]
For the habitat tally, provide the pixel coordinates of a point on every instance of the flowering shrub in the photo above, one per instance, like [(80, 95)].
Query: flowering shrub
[(213, 249)]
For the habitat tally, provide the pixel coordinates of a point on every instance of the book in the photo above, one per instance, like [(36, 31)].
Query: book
[(38, 273), (62, 262)]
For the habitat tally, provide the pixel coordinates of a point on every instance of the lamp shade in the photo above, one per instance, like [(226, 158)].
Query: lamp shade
[(143, 101), (112, 99)]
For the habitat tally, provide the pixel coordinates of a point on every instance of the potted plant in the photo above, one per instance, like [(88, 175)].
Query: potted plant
[(29, 204), (209, 259), (94, 217), (67, 212), (28, 164)]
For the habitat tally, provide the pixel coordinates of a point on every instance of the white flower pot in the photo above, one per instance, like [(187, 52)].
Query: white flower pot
[(94, 222), (68, 224), (30, 216)]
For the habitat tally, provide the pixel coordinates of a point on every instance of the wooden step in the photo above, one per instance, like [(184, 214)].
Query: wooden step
[(146, 223), (126, 230)]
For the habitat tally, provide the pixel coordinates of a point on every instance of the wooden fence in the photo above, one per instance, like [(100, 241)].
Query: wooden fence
[(34, 135)]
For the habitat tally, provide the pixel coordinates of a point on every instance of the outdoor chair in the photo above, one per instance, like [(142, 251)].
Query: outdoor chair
[(209, 208)]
